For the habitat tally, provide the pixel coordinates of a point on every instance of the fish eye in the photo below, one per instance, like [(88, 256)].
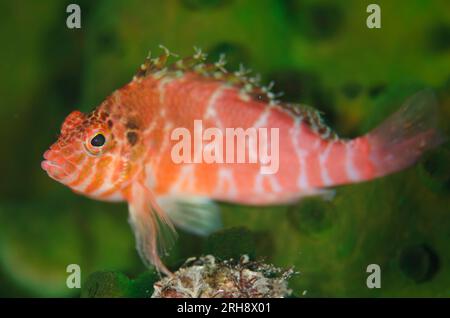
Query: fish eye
[(95, 143), (98, 140)]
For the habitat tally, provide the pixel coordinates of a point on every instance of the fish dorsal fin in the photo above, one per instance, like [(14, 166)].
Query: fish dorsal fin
[(240, 79), (198, 215), (311, 117), (154, 232)]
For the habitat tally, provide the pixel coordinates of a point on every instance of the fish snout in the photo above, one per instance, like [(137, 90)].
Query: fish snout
[(52, 164), (47, 155)]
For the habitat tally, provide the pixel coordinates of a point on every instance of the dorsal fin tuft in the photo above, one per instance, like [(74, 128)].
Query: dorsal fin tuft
[(241, 79), (249, 86)]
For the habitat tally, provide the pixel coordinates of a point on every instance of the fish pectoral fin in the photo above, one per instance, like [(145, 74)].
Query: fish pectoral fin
[(197, 215), (154, 232)]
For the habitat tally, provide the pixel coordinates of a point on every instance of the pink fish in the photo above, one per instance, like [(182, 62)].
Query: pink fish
[(124, 149)]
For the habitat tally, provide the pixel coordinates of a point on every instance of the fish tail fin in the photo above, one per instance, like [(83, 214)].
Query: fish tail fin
[(403, 137)]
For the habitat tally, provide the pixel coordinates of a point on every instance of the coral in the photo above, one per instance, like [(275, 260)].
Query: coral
[(207, 277)]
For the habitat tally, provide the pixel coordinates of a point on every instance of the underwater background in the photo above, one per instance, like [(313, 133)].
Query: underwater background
[(319, 53)]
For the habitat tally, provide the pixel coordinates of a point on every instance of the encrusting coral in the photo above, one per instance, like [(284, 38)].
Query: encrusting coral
[(208, 277)]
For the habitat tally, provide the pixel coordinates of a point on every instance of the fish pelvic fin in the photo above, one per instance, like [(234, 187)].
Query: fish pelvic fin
[(153, 230)]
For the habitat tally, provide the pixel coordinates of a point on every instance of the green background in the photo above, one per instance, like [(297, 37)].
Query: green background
[(318, 52)]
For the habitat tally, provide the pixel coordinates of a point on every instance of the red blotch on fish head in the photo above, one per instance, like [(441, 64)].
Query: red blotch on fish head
[(73, 120)]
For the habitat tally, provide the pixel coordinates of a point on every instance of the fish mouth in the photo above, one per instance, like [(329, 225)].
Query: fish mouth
[(54, 169), (49, 164)]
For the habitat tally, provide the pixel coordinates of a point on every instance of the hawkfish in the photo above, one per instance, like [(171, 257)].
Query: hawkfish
[(123, 150)]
